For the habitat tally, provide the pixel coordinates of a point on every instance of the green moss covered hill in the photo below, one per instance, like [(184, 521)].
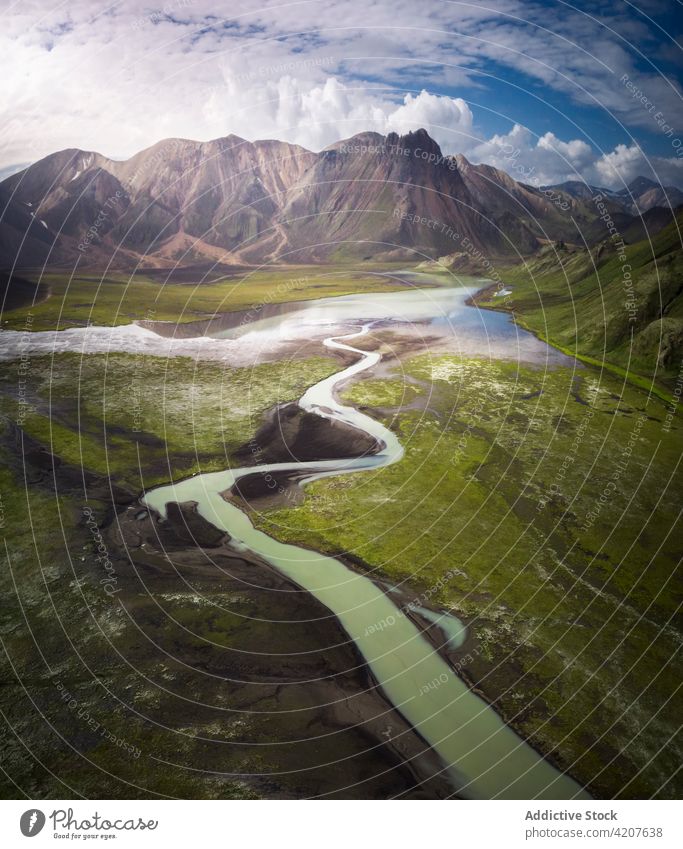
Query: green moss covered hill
[(621, 307)]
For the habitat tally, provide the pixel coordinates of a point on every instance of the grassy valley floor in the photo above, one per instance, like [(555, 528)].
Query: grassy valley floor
[(542, 507), (143, 661), (74, 300), (551, 503)]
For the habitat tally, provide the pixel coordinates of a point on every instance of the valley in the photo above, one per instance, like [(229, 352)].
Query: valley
[(509, 447), (339, 474)]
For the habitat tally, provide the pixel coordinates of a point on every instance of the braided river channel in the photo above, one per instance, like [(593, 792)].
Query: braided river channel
[(481, 755)]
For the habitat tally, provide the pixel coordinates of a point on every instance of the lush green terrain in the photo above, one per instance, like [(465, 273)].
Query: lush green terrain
[(625, 310), (145, 420), (551, 498), (130, 674), (555, 498), (119, 299)]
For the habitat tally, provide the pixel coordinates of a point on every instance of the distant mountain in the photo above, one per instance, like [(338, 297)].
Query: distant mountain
[(398, 196), (639, 196), (233, 201), (177, 198), (12, 169)]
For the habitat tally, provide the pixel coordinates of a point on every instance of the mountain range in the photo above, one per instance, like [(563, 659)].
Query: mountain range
[(638, 197), (228, 201)]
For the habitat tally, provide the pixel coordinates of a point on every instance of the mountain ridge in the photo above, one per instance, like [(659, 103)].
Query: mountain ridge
[(641, 194), (231, 200)]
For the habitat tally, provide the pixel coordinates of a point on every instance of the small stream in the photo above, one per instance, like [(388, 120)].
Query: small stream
[(484, 758)]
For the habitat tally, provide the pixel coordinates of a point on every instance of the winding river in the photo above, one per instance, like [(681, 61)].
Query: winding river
[(483, 757)]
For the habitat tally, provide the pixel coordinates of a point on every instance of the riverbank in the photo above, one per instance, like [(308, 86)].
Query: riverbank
[(480, 430), (449, 527), (201, 660), (618, 307), (60, 301), (484, 299), (488, 761)]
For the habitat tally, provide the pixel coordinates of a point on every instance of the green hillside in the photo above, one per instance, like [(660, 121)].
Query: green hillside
[(622, 308)]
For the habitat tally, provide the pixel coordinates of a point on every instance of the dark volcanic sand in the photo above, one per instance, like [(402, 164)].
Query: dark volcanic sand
[(292, 435)]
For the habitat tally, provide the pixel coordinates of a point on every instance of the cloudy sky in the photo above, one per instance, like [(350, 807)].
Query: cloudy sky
[(547, 90)]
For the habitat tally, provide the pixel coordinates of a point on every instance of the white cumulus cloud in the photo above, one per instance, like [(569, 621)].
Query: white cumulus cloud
[(449, 120), (118, 78)]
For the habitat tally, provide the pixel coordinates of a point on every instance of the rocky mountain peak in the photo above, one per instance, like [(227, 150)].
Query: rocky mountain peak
[(246, 201), (418, 140)]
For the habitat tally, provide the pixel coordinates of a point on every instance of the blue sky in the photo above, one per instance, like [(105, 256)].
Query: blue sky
[(550, 89), (600, 120)]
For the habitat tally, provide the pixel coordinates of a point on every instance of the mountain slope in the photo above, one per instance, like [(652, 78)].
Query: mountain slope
[(230, 201), (220, 193), (638, 197), (625, 309), (396, 194)]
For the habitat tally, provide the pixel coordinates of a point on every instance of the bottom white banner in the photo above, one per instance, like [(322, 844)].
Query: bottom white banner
[(333, 824)]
